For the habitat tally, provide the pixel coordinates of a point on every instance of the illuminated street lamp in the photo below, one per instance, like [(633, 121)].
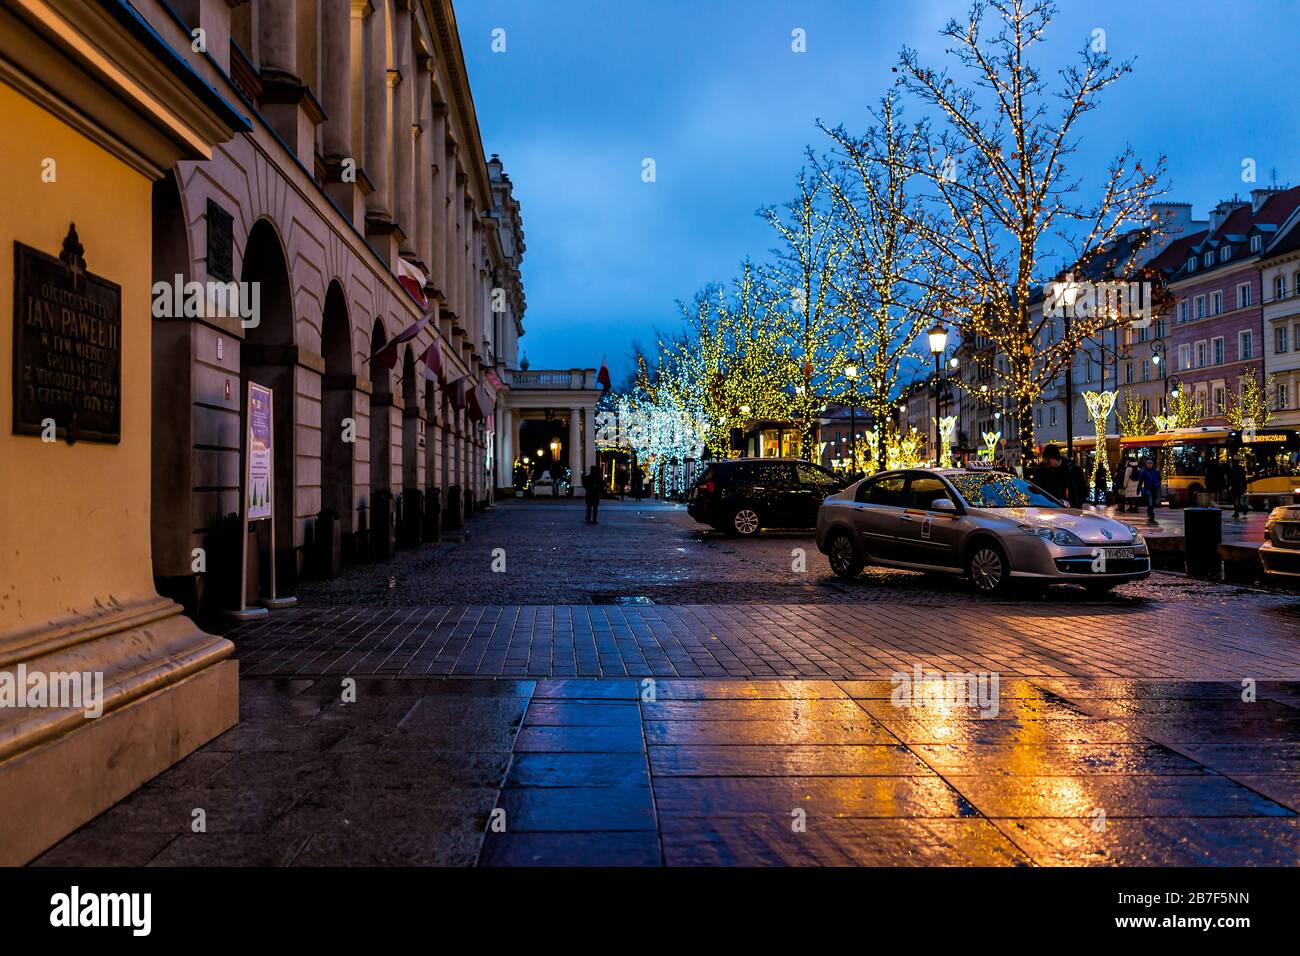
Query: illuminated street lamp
[(938, 336)]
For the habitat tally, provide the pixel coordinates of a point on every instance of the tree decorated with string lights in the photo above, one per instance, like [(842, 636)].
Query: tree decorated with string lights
[(1248, 406), (993, 161), (1132, 420), (804, 306), (885, 287)]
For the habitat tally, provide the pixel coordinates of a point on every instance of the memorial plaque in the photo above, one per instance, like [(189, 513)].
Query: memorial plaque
[(221, 243), (67, 366)]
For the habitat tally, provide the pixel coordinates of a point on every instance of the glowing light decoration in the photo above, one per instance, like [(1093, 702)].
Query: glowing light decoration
[(991, 440), (1099, 407), (947, 431)]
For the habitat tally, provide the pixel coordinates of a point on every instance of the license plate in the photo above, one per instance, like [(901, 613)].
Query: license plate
[(1118, 554), (1291, 532)]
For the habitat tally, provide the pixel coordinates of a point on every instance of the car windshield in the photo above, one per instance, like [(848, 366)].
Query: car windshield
[(997, 490)]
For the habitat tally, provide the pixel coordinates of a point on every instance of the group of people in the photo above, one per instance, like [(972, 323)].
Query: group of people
[(1137, 482)]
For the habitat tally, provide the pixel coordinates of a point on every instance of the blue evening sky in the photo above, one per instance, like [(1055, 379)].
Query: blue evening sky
[(711, 90)]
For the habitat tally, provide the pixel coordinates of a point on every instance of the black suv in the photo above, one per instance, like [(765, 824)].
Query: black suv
[(742, 495)]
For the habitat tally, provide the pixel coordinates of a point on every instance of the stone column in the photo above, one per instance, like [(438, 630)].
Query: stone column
[(378, 124), (403, 137), (424, 166), (575, 446), (277, 39), (438, 194), (589, 442), (336, 78)]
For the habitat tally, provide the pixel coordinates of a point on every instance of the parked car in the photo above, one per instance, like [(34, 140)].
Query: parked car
[(744, 495), (990, 526), (1280, 552)]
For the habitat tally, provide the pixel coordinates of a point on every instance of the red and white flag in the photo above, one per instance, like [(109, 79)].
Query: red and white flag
[(412, 280)]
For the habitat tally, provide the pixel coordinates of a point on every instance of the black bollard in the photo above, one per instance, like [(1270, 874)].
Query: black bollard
[(1202, 533)]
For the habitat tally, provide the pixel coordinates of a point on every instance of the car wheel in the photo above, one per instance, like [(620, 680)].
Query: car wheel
[(744, 521), (843, 556), (987, 568)]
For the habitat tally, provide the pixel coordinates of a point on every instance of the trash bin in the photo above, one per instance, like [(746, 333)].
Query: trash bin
[(1202, 533)]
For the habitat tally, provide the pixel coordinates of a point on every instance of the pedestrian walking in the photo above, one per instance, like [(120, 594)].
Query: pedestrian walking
[(620, 478), (591, 492), (1149, 488), (1132, 487), (1236, 482), (638, 483)]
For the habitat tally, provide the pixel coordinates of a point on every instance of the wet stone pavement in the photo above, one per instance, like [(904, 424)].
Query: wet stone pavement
[(645, 693), (723, 772)]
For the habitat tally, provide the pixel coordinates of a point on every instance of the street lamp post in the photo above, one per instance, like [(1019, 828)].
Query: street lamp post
[(851, 373), (938, 342)]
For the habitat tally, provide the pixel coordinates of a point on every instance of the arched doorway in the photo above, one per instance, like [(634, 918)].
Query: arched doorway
[(338, 426), (381, 446), (173, 520), (412, 509), (267, 358)]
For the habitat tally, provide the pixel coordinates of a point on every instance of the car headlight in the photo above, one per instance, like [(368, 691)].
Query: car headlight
[(1138, 542), (1061, 536)]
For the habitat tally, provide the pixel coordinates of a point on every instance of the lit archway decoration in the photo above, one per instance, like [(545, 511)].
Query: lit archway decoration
[(1099, 406), (991, 440)]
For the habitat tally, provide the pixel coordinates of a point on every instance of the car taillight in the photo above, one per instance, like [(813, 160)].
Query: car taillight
[(706, 487)]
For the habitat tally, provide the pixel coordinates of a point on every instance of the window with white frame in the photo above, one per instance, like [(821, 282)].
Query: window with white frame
[(1160, 328), (1216, 302), (1199, 302), (1216, 349), (1040, 416), (1279, 286), (1282, 397), (1256, 243), (1051, 414), (1279, 339), (1295, 284), (1245, 346), (1219, 397), (1243, 295), (1208, 258), (1191, 264), (1184, 357), (1128, 373), (1146, 371), (1201, 354), (1224, 253)]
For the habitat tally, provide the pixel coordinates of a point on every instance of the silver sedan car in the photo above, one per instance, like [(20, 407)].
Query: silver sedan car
[(990, 526)]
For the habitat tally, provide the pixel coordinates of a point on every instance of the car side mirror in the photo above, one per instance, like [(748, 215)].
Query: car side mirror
[(942, 504)]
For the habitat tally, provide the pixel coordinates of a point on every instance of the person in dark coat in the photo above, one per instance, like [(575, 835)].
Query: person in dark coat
[(1077, 485), (1149, 488), (1214, 481), (591, 483), (1051, 474), (1236, 481), (638, 483)]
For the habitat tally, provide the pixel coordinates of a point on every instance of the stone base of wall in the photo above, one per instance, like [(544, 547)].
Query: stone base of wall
[(168, 688)]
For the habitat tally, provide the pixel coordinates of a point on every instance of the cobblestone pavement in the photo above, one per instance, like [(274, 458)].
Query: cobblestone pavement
[(707, 772), (728, 608), (1125, 730)]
